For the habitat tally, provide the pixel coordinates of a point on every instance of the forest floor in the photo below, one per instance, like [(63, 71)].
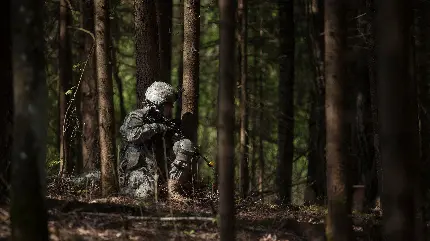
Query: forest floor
[(119, 218)]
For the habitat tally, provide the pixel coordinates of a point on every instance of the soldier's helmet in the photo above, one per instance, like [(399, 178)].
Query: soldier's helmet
[(185, 146), (161, 92)]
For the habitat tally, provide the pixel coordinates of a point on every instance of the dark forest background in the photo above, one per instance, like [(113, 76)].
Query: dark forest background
[(306, 103)]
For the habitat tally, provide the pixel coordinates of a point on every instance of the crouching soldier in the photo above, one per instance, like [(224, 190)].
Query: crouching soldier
[(150, 141)]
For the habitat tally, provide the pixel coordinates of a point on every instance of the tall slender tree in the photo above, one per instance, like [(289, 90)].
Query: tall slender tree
[(29, 218), (147, 50), (89, 110), (115, 39), (181, 59), (317, 128), (422, 75), (244, 118), (338, 225), (65, 80), (398, 119), (286, 100), (109, 176), (6, 102), (226, 119), (190, 84), (261, 106), (164, 20)]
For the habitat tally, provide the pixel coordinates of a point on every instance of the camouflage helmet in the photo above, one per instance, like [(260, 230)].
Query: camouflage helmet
[(161, 92), (184, 146)]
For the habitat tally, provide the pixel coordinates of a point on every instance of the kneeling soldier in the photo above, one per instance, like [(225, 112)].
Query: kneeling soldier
[(150, 140)]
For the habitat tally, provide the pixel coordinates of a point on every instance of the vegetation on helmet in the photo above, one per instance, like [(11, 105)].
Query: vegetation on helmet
[(160, 92)]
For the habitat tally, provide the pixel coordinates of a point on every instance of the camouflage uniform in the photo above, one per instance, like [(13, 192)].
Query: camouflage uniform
[(143, 131)]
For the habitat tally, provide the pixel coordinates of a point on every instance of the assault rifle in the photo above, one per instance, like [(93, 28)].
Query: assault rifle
[(172, 125)]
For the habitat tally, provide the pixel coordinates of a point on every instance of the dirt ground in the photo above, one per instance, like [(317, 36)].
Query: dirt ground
[(78, 216), (119, 218)]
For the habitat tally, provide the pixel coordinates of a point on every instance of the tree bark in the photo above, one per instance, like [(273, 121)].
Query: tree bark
[(317, 176), (116, 36), (164, 20), (89, 102), (65, 79), (109, 176), (398, 119), (147, 49), (376, 168), (286, 100), (261, 157), (338, 224), (181, 59), (28, 208), (190, 85), (226, 119), (422, 75), (6, 102), (244, 118)]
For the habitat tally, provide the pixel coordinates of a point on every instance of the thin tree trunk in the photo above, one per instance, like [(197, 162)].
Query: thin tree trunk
[(164, 20), (423, 50), (398, 119), (338, 224), (109, 176), (147, 50), (190, 83), (261, 158), (65, 79), (253, 106), (181, 59), (286, 100), (89, 102), (226, 120), (28, 212), (313, 170), (244, 119), (317, 153), (116, 36), (118, 79), (6, 102)]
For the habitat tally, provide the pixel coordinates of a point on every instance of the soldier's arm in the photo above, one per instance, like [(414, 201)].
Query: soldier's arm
[(136, 128)]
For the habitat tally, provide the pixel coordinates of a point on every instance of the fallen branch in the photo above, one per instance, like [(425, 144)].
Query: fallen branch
[(146, 218)]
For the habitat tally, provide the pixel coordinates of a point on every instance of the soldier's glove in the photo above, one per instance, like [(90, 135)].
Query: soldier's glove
[(160, 128), (174, 124)]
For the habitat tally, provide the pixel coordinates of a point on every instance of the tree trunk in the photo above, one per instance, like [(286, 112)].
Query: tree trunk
[(181, 59), (423, 49), (318, 140), (89, 102), (338, 224), (109, 176), (116, 36), (226, 119), (164, 20), (376, 168), (190, 85), (261, 158), (65, 79), (6, 103), (398, 119), (244, 118), (147, 55), (286, 100), (253, 107), (28, 210)]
